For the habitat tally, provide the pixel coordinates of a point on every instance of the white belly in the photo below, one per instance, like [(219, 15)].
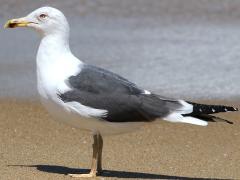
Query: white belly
[(66, 115)]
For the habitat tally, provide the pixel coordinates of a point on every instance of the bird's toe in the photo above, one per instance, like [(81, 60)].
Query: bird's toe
[(90, 175)]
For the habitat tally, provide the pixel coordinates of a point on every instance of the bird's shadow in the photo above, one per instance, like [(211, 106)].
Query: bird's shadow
[(109, 173)]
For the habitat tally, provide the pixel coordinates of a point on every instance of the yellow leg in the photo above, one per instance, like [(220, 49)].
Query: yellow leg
[(100, 147), (96, 166)]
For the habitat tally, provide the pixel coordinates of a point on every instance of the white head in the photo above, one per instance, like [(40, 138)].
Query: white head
[(46, 20)]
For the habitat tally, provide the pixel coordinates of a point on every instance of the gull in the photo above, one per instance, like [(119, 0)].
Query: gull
[(94, 99)]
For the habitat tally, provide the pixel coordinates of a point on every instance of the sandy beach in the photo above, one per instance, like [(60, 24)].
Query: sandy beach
[(34, 146)]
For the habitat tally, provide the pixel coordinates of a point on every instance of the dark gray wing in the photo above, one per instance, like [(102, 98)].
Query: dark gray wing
[(96, 80), (125, 102)]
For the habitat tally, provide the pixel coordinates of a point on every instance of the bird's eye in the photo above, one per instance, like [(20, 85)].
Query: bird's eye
[(43, 16)]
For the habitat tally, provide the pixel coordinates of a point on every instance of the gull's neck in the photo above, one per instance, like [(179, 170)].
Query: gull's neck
[(54, 44), (55, 62), (54, 49)]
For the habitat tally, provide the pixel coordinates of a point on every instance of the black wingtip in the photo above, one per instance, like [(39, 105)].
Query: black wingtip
[(211, 109), (229, 108), (232, 109)]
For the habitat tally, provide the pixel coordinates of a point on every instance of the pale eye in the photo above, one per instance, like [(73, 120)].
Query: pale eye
[(42, 16)]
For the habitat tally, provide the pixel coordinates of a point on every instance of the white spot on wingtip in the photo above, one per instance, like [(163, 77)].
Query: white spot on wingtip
[(226, 109), (146, 92), (200, 110), (213, 110)]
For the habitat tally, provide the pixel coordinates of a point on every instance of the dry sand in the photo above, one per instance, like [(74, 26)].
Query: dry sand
[(33, 146)]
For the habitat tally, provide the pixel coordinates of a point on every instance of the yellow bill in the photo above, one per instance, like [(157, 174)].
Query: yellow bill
[(13, 23)]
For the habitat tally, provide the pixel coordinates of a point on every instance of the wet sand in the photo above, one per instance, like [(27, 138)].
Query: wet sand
[(33, 146)]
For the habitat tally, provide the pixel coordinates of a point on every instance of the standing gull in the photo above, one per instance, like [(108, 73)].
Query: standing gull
[(94, 99)]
